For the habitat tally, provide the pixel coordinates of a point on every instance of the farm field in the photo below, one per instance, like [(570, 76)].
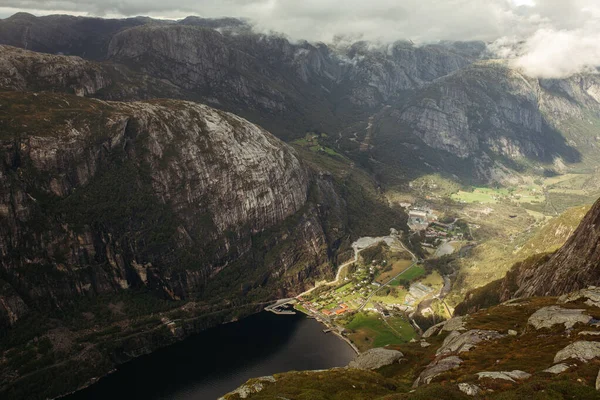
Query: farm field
[(368, 330), (397, 268), (413, 273)]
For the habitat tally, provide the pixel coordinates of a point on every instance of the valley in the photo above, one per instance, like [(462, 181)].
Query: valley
[(161, 178)]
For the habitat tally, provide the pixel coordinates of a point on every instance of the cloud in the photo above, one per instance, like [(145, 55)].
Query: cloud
[(548, 38)]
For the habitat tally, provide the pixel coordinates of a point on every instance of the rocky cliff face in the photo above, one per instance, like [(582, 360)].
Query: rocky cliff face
[(23, 70), (491, 117), (574, 266), (99, 197)]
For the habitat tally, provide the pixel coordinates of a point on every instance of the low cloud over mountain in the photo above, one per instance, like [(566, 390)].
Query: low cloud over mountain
[(547, 38)]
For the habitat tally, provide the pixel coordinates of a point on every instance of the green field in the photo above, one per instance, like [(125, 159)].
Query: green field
[(410, 274), (370, 331)]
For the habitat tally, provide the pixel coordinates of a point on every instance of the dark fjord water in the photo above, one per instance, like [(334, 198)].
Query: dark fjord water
[(214, 362)]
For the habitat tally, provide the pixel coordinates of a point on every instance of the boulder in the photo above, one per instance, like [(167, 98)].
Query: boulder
[(582, 351), (547, 317), (469, 389), (437, 368), (434, 329), (505, 375), (453, 324), (376, 358), (460, 342), (512, 332), (425, 344), (557, 369), (591, 296)]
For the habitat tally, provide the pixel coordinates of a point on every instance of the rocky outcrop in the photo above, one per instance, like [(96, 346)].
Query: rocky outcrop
[(251, 387), (572, 268), (511, 376), (547, 317), (451, 325), (437, 368), (591, 295), (469, 389), (581, 350), (376, 358), (456, 343), (557, 369)]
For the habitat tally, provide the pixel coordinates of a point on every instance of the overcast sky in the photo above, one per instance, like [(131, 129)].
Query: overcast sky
[(548, 38)]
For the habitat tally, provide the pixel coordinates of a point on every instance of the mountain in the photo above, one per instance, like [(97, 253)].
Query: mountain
[(446, 105), (112, 212), (23, 70), (489, 122)]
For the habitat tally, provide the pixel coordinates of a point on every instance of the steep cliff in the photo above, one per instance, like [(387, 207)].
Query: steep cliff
[(574, 266), (487, 119), (102, 196)]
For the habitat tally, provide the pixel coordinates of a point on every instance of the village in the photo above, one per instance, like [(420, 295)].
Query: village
[(387, 282)]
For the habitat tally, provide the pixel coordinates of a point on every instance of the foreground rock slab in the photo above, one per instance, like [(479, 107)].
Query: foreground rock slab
[(376, 358), (460, 342), (557, 369), (469, 389), (453, 324), (591, 294), (251, 387), (437, 368), (582, 351), (505, 375), (547, 317)]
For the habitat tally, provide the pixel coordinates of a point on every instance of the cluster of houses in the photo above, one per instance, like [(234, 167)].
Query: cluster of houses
[(339, 310), (420, 217)]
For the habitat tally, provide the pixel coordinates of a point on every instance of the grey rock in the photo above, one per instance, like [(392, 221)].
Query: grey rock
[(512, 332), (434, 330), (253, 386), (582, 351), (375, 358), (557, 369), (453, 324), (590, 294), (437, 368), (589, 333), (547, 317), (469, 389), (505, 375), (425, 344), (598, 381), (460, 342)]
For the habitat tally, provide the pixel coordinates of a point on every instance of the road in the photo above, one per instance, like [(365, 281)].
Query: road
[(415, 261), (358, 246), (337, 275)]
